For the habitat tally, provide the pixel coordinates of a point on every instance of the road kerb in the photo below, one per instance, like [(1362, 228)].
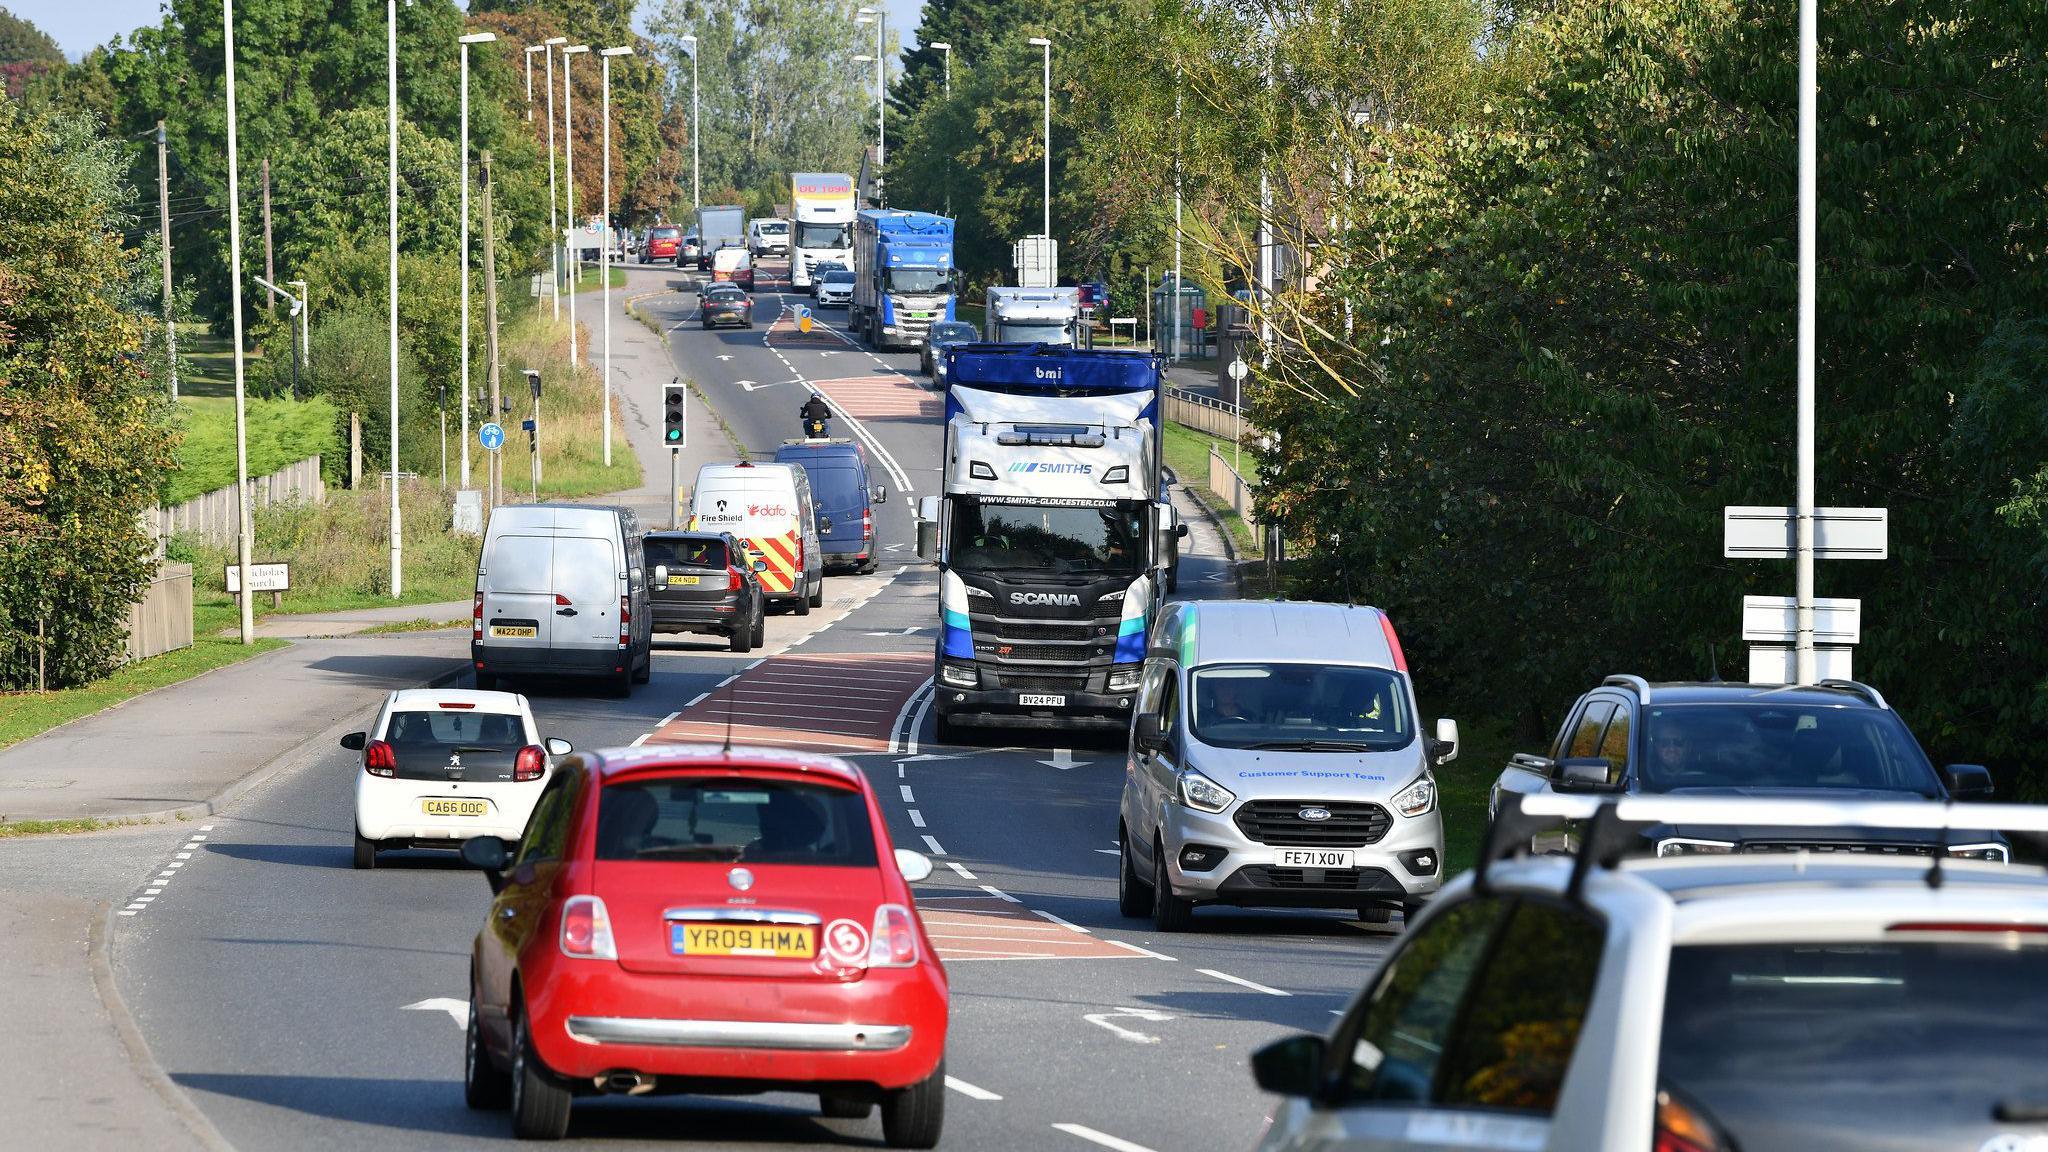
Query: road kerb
[(100, 954)]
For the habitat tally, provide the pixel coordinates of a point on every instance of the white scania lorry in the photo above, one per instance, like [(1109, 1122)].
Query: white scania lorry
[(1052, 536), (1031, 315)]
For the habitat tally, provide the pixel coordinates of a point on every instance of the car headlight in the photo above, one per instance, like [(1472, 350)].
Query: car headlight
[(958, 676), (1686, 846), (1203, 794), (1418, 798), (1996, 853), (1125, 679)]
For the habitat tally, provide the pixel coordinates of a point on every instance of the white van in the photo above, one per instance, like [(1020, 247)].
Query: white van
[(561, 591), (768, 236), (768, 508)]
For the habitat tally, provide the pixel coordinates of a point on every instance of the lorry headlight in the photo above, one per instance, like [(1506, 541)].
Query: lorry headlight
[(1687, 846), (1418, 798), (957, 676), (1203, 794), (1125, 679)]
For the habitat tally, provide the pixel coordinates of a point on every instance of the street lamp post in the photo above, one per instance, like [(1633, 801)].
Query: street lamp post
[(305, 330), (391, 211), (554, 223), (243, 545), (605, 249), (880, 18), (696, 185), (465, 42), (1042, 42), (947, 50), (569, 167)]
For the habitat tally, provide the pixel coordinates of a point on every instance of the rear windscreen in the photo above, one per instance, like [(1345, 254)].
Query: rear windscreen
[(429, 744), (519, 564), (685, 553), (734, 820), (1905, 1044)]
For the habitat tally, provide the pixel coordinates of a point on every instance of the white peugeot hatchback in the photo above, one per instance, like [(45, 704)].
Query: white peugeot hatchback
[(1747, 1002), (441, 766)]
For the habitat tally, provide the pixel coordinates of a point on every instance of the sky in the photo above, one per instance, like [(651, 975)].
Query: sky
[(80, 25)]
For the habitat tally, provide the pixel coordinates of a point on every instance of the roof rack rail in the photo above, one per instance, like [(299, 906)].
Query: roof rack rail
[(1641, 686), (1860, 688)]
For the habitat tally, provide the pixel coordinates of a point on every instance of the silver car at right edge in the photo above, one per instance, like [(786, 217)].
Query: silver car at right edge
[(1276, 760)]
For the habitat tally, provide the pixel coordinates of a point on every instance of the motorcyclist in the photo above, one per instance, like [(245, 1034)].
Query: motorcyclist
[(815, 412)]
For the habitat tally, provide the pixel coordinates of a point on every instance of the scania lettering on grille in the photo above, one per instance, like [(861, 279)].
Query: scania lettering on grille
[(1051, 599), (1056, 469)]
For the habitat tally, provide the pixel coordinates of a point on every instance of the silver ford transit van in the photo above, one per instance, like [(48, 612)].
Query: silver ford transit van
[(1276, 760)]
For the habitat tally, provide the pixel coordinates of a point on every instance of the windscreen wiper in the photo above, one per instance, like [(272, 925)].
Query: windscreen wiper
[(1308, 746)]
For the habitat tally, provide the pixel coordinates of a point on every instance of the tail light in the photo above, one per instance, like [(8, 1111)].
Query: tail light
[(379, 759), (476, 625), (895, 938), (587, 930), (733, 581), (530, 763), (1683, 1127), (867, 523), (625, 621)]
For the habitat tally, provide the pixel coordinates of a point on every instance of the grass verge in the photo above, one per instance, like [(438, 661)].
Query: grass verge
[(339, 557), (208, 362), (420, 625), (588, 281), (27, 714), (1463, 785), (571, 416), (16, 828), (1187, 453)]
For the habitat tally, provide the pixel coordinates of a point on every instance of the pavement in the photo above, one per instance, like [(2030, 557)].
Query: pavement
[(320, 625)]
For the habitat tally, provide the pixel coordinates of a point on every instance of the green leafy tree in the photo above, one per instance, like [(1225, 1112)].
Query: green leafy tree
[(26, 52), (84, 426)]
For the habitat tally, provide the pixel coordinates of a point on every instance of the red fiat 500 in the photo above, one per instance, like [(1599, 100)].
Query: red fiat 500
[(687, 918)]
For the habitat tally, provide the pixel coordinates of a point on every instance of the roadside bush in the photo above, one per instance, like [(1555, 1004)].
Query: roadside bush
[(280, 432)]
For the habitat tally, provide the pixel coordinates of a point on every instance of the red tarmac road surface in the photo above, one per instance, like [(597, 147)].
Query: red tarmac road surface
[(840, 702), (992, 928), (880, 397)]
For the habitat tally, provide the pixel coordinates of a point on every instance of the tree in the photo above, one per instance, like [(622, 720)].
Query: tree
[(25, 52), (84, 425)]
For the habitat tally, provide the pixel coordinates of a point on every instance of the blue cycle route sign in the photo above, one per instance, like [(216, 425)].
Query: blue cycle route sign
[(491, 436)]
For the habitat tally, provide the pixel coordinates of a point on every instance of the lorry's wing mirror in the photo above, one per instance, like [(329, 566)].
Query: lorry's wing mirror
[(928, 508)]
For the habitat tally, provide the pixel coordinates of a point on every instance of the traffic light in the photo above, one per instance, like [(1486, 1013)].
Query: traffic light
[(673, 398)]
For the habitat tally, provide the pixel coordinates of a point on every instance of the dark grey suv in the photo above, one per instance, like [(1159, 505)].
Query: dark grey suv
[(1836, 740)]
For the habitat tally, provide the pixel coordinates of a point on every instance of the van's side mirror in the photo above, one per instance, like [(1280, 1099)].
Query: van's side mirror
[(1147, 733), (880, 495), (1291, 1067), (1967, 781), (1585, 774), (915, 866), (354, 741), (1444, 748)]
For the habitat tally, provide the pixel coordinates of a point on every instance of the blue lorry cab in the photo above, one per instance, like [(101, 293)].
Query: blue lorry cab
[(840, 488)]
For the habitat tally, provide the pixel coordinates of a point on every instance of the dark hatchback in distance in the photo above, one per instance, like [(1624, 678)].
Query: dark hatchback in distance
[(933, 354), (1836, 740), (727, 304), (700, 582)]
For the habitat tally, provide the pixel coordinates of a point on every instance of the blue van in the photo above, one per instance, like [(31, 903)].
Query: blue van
[(838, 469)]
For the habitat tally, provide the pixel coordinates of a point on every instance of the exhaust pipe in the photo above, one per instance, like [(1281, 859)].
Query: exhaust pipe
[(626, 1083)]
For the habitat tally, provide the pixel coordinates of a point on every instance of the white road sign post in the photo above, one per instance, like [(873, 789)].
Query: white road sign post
[(1773, 624)]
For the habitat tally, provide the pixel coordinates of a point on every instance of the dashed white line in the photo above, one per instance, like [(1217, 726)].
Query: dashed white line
[(1102, 1138), (727, 680), (184, 856), (136, 907), (932, 843), (206, 827), (665, 721), (1242, 982), (917, 818), (1069, 925), (692, 704), (1129, 947), (640, 739), (969, 1090), (999, 894), (905, 789), (964, 873)]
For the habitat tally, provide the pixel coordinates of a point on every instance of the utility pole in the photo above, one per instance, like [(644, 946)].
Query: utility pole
[(163, 219), (269, 263), (1805, 670), (491, 320), (575, 260), (605, 250), (244, 545), (391, 205), (554, 202)]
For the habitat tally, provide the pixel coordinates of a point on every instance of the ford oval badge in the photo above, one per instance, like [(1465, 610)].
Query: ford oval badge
[(740, 879), (1314, 813)]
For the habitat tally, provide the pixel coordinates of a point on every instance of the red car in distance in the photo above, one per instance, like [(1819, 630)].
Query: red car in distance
[(689, 918), (662, 242)]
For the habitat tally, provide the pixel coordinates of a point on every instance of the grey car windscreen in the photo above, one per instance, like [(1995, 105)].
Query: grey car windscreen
[(1301, 708)]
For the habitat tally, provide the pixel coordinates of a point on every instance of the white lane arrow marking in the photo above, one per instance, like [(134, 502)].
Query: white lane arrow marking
[(1149, 1015), (725, 357), (828, 353), (457, 1010), (1063, 759)]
